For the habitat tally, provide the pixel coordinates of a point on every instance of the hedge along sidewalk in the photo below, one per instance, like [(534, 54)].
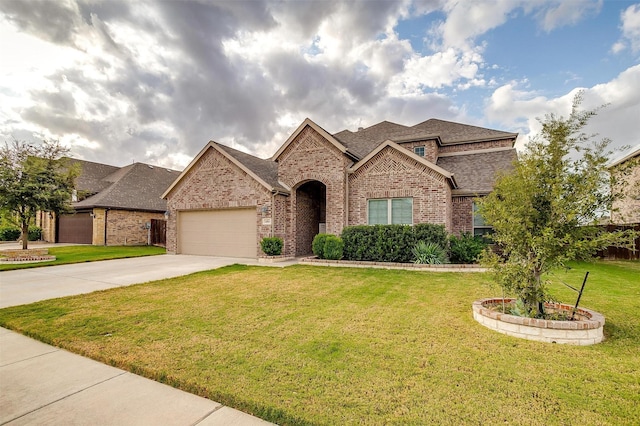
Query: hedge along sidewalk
[(446, 267)]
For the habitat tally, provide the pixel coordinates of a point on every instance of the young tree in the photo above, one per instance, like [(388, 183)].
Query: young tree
[(544, 213), (33, 178)]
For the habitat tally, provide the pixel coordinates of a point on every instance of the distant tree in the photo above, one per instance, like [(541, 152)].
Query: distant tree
[(544, 213), (33, 178)]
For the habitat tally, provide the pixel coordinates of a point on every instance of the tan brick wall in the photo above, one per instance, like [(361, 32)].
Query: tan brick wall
[(47, 222), (124, 228), (626, 206), (311, 157), (473, 146), (98, 227), (390, 174), (214, 182)]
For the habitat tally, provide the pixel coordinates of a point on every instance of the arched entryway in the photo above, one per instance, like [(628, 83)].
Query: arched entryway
[(311, 212)]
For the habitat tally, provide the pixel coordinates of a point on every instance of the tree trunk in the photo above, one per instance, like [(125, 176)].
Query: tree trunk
[(25, 235)]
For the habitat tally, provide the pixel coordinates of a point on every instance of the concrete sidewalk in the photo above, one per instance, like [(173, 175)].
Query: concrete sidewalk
[(41, 384)]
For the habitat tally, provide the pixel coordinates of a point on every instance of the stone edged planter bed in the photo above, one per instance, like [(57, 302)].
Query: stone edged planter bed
[(274, 259), (586, 329), (25, 256), (447, 267)]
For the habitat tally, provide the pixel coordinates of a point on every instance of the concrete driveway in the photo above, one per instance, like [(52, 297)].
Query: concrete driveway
[(31, 285)]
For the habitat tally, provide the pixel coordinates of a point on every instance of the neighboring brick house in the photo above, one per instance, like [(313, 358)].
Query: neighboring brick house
[(226, 201), (626, 206), (113, 206)]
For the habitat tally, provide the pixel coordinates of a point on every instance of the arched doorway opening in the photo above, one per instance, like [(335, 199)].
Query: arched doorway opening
[(311, 214)]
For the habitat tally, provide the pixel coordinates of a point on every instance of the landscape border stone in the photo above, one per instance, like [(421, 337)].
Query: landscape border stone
[(587, 329), (447, 267)]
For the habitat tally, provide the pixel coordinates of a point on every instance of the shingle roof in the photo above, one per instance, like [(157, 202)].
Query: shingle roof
[(91, 178), (134, 187), (362, 142), (473, 172), (451, 133), (476, 172), (266, 170)]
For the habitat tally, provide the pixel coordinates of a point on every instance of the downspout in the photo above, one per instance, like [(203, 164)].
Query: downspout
[(273, 209), (106, 211), (346, 195)]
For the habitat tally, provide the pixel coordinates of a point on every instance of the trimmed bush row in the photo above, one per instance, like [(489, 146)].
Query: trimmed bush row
[(390, 243), (12, 233), (422, 243)]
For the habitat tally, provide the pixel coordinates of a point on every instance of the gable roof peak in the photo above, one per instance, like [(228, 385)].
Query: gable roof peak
[(309, 123)]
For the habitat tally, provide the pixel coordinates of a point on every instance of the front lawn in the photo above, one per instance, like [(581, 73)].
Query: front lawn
[(86, 253), (316, 345)]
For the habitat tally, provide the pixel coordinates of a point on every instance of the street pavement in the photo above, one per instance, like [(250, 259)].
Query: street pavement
[(42, 384)]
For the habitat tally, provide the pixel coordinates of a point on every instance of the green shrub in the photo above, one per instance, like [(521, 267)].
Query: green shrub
[(389, 243), (432, 233), (317, 246), (428, 253), (333, 247), (9, 233), (35, 233), (271, 246), (358, 242), (466, 248)]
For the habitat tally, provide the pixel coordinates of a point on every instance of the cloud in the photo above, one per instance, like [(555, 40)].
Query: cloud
[(154, 81), (466, 20), (54, 21), (519, 109), (561, 13), (630, 28)]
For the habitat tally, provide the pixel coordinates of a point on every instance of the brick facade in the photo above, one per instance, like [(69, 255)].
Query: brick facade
[(430, 149), (310, 157), (123, 228), (390, 174), (217, 183), (316, 185), (126, 228), (474, 146), (462, 220)]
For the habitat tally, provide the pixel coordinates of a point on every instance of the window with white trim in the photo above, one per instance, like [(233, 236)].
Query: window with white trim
[(418, 150), (480, 228), (386, 211)]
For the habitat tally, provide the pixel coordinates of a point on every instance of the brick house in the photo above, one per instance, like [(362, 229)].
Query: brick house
[(626, 207), (226, 201), (113, 205)]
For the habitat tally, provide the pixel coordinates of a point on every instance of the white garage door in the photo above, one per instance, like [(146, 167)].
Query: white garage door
[(230, 233)]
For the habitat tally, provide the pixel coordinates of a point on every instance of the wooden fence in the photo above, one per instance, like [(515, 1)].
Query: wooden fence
[(158, 232), (620, 252)]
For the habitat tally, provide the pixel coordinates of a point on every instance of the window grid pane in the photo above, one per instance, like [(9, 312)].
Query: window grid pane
[(378, 212), (419, 150), (478, 221), (402, 211)]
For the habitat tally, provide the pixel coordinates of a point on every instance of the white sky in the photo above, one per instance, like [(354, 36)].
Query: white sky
[(155, 81)]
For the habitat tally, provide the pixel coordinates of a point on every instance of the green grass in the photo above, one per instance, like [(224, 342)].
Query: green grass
[(314, 345), (85, 253)]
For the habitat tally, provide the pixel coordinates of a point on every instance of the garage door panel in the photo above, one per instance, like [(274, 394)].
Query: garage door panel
[(75, 228), (231, 233)]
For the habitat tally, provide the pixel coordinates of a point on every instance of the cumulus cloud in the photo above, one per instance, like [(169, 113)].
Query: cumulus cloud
[(153, 81), (561, 13), (630, 28), (520, 109)]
